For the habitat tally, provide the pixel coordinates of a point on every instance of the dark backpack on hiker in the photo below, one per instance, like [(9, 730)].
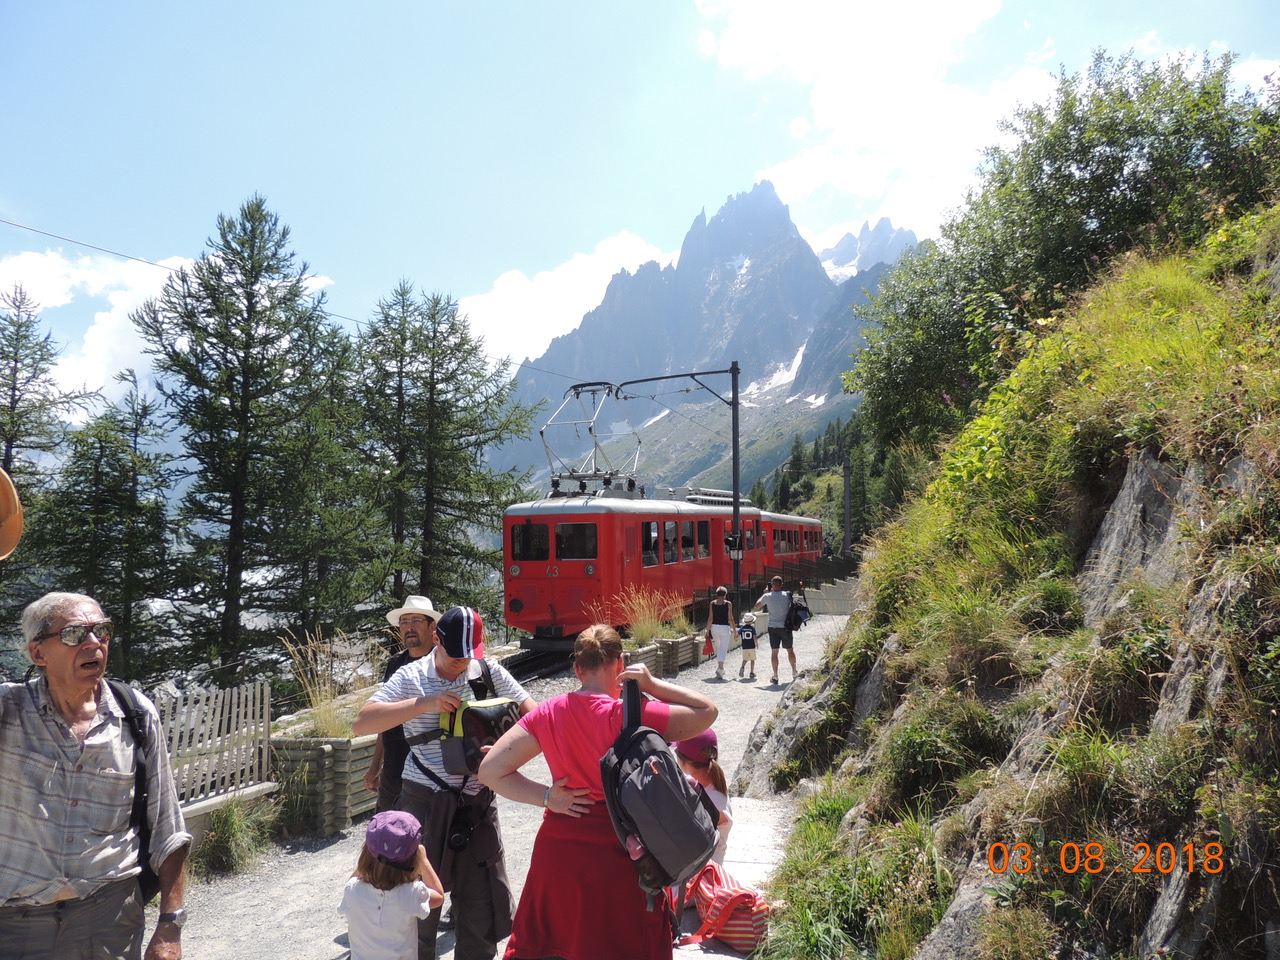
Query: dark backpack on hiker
[(476, 723), (798, 612), (134, 717), (666, 824)]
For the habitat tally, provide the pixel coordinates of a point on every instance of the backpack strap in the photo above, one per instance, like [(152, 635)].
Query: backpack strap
[(484, 688), (427, 737), (631, 713), (141, 794)]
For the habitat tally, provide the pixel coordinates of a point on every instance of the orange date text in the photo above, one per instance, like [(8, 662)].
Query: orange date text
[(1092, 858)]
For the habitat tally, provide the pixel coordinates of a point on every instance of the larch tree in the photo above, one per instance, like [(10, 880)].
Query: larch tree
[(434, 405), (105, 529), (241, 347)]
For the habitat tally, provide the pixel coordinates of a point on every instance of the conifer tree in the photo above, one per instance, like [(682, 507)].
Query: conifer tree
[(105, 529), (433, 405), (243, 351)]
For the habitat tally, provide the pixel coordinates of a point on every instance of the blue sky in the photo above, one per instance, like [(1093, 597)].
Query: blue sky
[(512, 154)]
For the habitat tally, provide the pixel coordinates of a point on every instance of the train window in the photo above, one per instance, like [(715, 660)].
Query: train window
[(686, 540), (704, 538), (750, 538), (576, 541), (669, 552), (529, 542), (650, 543)]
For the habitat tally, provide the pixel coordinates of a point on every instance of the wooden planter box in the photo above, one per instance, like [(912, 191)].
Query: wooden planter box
[(650, 656), (326, 775)]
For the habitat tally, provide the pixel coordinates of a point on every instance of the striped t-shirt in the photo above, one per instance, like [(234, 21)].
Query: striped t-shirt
[(420, 679)]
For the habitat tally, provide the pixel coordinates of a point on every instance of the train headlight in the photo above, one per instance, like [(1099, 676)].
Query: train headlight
[(514, 570), (591, 569), (517, 605)]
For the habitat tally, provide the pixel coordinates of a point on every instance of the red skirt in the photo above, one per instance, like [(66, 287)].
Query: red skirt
[(581, 900)]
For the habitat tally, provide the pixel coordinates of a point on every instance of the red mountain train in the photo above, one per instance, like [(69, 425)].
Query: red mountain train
[(569, 557)]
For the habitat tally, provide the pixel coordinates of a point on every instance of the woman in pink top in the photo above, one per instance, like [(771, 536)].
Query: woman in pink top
[(581, 899)]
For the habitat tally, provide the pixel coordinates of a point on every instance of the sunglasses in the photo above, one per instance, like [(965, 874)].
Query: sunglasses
[(76, 633)]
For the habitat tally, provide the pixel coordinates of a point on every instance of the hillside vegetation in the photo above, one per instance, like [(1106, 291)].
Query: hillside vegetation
[(1053, 728)]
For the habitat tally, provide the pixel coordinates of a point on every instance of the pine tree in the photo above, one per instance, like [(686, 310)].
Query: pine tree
[(434, 405), (241, 347), (104, 527)]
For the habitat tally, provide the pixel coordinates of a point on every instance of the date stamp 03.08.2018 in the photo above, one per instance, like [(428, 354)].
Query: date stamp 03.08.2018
[(1091, 857)]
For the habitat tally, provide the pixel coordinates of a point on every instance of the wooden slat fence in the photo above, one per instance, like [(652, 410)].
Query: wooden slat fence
[(218, 741)]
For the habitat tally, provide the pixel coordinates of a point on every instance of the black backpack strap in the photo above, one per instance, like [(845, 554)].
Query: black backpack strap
[(631, 715), (427, 737), (483, 688), (141, 794)]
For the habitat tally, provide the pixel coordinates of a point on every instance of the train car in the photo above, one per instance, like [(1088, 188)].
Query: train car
[(569, 558)]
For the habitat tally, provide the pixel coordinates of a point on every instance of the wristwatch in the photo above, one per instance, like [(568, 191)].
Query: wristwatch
[(177, 918)]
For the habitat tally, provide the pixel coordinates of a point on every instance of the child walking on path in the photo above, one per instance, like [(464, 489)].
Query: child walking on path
[(747, 631), (392, 887), (699, 758)]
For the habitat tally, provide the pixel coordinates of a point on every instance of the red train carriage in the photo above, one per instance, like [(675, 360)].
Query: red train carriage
[(568, 558)]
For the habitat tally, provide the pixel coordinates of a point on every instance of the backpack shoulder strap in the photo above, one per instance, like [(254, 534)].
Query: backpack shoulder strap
[(133, 717), (631, 713)]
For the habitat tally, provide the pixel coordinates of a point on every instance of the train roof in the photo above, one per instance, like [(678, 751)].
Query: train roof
[(594, 506)]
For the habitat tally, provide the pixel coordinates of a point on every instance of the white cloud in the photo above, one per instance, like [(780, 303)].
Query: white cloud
[(520, 316), (108, 287)]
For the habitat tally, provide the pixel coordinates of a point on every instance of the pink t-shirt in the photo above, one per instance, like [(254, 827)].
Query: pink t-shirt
[(575, 730)]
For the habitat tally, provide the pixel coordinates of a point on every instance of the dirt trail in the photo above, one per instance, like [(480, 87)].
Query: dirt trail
[(286, 909)]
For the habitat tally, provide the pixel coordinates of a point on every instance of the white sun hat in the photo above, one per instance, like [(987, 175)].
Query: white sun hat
[(414, 604)]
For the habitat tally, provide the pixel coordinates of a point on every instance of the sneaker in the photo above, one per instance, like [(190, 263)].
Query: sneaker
[(773, 679), (720, 671), (741, 668)]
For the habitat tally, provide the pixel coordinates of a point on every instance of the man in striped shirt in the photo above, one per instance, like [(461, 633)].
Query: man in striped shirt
[(458, 814), (69, 870)]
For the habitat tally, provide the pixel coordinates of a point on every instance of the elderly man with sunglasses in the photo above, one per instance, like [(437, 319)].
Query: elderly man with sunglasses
[(68, 875)]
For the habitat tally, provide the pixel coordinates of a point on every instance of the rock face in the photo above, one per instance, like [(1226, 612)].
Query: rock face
[(745, 287), (1139, 539)]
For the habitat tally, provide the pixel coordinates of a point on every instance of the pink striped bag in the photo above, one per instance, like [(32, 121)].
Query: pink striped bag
[(735, 915)]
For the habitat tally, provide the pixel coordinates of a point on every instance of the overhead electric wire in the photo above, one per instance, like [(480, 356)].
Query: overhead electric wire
[(165, 266)]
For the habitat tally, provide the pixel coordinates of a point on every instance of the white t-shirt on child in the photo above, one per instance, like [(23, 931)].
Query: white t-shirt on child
[(383, 924)]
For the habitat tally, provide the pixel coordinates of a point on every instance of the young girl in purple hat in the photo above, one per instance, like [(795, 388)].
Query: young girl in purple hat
[(392, 886), (698, 758)]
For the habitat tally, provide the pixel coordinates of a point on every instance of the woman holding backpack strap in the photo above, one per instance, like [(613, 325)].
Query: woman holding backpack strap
[(581, 900)]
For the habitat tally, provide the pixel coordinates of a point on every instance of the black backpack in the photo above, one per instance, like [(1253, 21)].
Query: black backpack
[(797, 612), (666, 824), (134, 717)]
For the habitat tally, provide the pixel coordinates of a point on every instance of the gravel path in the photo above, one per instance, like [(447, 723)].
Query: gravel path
[(286, 909)]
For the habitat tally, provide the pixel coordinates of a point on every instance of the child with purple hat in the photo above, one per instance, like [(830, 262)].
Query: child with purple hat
[(699, 758), (392, 886)]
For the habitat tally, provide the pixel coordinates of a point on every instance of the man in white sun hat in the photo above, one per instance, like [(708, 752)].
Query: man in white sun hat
[(458, 815), (416, 621)]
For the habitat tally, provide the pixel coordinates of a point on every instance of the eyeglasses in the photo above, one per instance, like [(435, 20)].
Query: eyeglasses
[(413, 621), (75, 634)]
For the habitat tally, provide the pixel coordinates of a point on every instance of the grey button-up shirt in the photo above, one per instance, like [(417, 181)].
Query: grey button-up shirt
[(65, 805)]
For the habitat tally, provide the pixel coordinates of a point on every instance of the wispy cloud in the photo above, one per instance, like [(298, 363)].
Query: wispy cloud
[(97, 293), (521, 315)]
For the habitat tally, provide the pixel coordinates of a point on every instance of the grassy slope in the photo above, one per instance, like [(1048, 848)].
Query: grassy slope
[(1180, 356)]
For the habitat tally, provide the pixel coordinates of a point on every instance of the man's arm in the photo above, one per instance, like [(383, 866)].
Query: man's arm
[(375, 767), (376, 716), (166, 942)]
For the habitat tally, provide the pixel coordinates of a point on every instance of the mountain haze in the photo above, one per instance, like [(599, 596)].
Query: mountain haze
[(746, 287)]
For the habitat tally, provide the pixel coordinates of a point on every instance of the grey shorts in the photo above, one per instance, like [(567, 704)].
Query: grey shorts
[(779, 637)]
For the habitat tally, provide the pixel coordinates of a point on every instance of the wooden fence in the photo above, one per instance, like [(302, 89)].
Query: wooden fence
[(218, 742)]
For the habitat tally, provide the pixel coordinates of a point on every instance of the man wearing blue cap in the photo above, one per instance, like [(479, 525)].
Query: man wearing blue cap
[(459, 818)]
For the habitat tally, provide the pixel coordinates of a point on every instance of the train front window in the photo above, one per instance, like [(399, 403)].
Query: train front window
[(530, 542), (576, 541)]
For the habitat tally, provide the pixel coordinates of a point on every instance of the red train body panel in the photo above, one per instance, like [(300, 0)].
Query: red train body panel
[(567, 558)]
